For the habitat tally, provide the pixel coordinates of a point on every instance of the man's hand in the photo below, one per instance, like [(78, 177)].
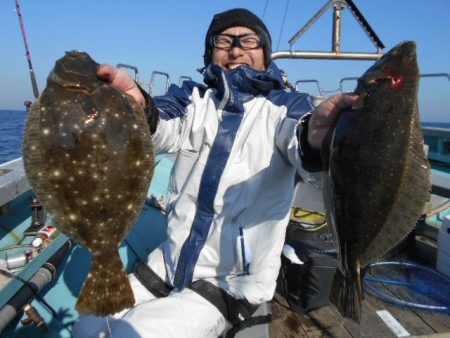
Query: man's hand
[(120, 80), (324, 116)]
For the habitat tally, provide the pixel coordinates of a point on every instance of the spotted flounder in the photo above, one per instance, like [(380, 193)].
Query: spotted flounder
[(88, 155), (377, 178)]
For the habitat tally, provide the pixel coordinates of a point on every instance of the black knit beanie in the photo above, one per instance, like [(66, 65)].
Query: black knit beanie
[(237, 17)]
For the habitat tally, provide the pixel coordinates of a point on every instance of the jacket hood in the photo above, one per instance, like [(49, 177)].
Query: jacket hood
[(244, 78), (241, 84)]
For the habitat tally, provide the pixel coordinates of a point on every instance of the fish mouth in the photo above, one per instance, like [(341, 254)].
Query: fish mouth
[(77, 87), (67, 84)]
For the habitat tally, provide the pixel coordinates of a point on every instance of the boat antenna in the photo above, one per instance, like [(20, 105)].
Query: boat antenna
[(30, 65)]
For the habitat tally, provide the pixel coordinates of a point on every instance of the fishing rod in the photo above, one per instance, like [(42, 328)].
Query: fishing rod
[(30, 66)]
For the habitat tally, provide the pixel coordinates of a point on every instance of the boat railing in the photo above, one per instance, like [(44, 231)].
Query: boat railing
[(438, 142), (156, 73), (446, 75), (136, 74), (133, 68), (182, 79), (321, 93), (316, 99), (345, 79), (437, 139), (13, 181)]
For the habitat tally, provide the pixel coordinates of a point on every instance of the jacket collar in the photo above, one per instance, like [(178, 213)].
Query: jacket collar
[(241, 84)]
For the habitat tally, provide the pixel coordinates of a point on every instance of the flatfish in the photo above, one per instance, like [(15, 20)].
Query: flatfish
[(377, 178), (88, 155)]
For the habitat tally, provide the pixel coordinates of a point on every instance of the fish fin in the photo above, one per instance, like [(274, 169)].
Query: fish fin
[(346, 290), (348, 302), (107, 289), (335, 287)]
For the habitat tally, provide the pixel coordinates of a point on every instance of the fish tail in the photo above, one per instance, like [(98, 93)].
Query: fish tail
[(349, 303), (107, 289)]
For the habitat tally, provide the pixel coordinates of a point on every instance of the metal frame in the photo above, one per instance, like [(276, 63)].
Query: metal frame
[(321, 93), (182, 79), (152, 81), (335, 53), (136, 71), (446, 75)]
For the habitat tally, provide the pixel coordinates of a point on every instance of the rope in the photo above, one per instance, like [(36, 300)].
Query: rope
[(265, 8), (282, 25)]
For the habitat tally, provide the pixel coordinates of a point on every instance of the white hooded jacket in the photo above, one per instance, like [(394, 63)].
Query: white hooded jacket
[(232, 183)]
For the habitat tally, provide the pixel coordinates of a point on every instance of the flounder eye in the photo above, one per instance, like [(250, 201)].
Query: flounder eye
[(395, 81)]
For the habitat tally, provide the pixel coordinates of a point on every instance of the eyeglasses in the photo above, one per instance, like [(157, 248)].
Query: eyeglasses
[(244, 41)]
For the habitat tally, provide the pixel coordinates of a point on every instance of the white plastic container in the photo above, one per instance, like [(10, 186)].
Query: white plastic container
[(443, 254), (43, 235)]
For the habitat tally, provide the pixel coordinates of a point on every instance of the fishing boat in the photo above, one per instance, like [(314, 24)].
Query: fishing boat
[(43, 270)]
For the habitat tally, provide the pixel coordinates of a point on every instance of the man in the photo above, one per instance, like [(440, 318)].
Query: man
[(240, 141)]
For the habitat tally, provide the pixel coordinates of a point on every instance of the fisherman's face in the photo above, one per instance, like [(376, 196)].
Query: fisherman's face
[(235, 56)]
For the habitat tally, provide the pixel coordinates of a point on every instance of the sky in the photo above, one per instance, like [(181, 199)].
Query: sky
[(168, 36)]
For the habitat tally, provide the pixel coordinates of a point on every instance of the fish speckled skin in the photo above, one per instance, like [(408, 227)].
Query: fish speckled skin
[(377, 178), (89, 157)]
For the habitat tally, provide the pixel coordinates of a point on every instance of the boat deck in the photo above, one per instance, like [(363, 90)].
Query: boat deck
[(149, 230), (327, 322)]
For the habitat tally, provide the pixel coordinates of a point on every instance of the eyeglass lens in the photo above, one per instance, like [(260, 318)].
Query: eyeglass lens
[(245, 41)]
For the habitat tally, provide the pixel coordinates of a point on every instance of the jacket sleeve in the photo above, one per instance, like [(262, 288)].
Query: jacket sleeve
[(311, 160), (150, 110), (292, 131), (167, 118)]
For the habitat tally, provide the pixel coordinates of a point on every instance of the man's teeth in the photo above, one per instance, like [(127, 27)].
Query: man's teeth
[(233, 66)]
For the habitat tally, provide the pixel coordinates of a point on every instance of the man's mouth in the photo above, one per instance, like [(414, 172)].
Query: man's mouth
[(231, 66)]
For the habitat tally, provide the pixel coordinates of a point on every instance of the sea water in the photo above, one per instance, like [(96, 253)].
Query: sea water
[(11, 134), (12, 126)]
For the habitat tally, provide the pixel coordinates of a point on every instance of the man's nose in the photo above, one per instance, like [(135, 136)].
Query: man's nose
[(235, 51)]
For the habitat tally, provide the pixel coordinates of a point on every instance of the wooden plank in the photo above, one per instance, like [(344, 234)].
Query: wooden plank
[(329, 324), (316, 324), (285, 324), (407, 318), (435, 321), (436, 335), (326, 322), (438, 322), (370, 326)]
